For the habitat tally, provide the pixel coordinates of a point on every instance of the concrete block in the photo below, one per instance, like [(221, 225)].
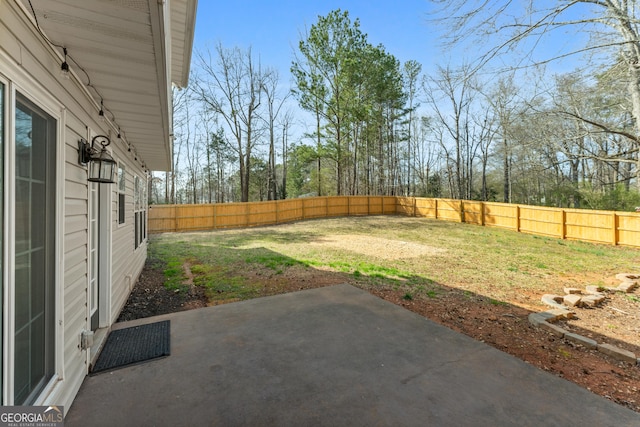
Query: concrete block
[(556, 314), (599, 298), (562, 313), (553, 301), (572, 300), (593, 290), (579, 339), (554, 329), (592, 300), (627, 276), (617, 353), (627, 286), (536, 319), (572, 291)]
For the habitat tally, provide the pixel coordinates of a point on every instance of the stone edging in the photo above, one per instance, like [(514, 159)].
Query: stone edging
[(545, 319)]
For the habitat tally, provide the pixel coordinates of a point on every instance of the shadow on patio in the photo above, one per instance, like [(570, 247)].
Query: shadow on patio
[(331, 356)]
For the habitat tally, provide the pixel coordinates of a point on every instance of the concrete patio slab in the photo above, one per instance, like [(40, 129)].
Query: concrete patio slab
[(334, 356)]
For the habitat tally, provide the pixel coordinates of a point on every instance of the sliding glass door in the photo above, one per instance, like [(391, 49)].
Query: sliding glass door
[(2, 266), (35, 156)]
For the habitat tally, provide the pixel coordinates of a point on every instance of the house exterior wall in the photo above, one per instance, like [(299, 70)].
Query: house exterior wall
[(29, 64)]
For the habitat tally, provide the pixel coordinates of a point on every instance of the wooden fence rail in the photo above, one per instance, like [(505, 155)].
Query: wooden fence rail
[(608, 227)]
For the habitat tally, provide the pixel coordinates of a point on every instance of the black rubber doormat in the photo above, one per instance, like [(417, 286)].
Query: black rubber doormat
[(129, 346)]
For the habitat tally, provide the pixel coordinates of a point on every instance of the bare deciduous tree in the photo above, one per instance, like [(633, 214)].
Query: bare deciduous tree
[(232, 88), (273, 107), (612, 28), (450, 95)]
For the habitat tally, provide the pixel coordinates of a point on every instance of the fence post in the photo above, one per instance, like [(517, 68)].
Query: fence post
[(563, 226), (615, 228), (276, 202), (175, 218), (482, 214), (326, 206), (518, 218), (461, 210), (415, 207), (436, 207)]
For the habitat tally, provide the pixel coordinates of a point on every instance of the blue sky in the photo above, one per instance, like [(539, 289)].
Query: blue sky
[(272, 29)]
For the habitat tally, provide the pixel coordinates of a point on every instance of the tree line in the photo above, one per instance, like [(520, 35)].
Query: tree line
[(375, 126)]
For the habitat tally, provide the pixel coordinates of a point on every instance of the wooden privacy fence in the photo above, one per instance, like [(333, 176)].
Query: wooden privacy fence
[(171, 218), (608, 227)]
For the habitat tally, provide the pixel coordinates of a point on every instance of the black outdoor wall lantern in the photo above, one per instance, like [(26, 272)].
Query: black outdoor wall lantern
[(102, 167)]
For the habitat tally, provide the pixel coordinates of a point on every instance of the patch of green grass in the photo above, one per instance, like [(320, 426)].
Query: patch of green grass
[(272, 261), (382, 271), (564, 353), (585, 248), (173, 271), (231, 288), (407, 296), (341, 266), (633, 298), (174, 275), (431, 294), (222, 284), (360, 269), (424, 288), (465, 257), (418, 282), (497, 302)]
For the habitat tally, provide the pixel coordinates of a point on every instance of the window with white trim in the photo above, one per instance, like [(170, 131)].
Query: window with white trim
[(122, 191), (140, 209)]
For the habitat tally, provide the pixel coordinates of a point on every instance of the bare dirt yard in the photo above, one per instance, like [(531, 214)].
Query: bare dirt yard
[(481, 282)]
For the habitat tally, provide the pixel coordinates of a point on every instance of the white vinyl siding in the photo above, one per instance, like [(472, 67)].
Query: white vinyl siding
[(26, 59)]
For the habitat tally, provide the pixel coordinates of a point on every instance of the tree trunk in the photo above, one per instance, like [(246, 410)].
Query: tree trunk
[(318, 149), (634, 89), (283, 192), (507, 174), (271, 169)]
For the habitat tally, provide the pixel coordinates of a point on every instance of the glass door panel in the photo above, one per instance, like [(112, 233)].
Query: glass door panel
[(94, 245), (35, 153), (2, 92)]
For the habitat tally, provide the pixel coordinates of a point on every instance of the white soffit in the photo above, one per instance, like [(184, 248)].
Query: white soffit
[(183, 24), (123, 47)]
